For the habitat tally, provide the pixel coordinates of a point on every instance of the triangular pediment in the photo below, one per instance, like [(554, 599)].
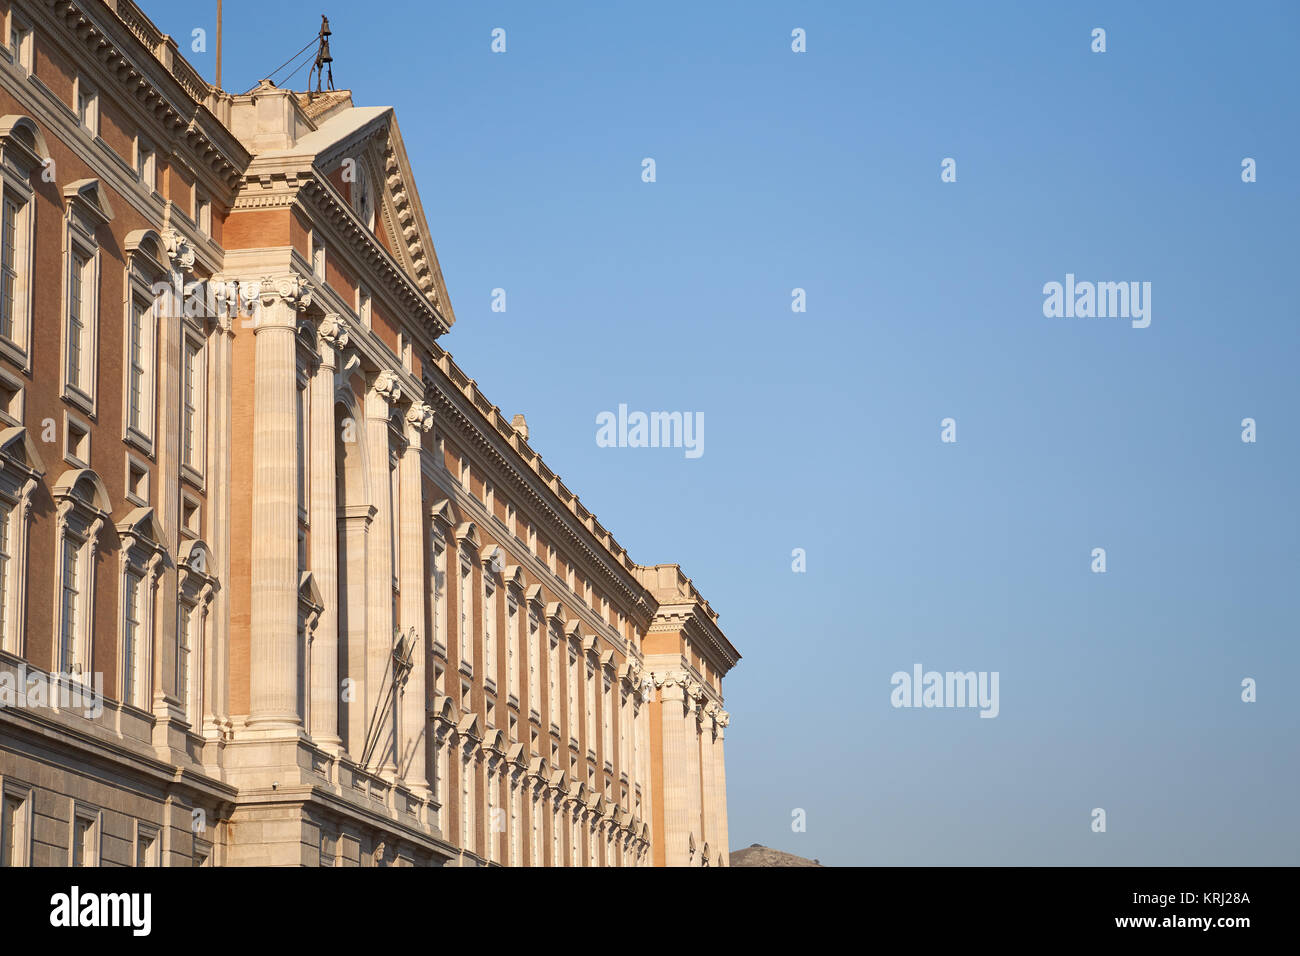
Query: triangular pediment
[(17, 445), (360, 150)]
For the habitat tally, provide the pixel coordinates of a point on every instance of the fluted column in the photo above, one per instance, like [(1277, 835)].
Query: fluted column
[(692, 768), (723, 853), (381, 701), (677, 739), (414, 722), (217, 668), (709, 782), (274, 653), (331, 338)]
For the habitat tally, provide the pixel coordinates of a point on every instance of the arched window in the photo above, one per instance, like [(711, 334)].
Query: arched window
[(21, 469), (83, 512)]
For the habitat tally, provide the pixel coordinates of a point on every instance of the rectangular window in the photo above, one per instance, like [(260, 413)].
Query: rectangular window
[(5, 561), (440, 595), (591, 709), (85, 839), (572, 712), (203, 215), (554, 682), (14, 831), (534, 697), (20, 42), (146, 847), (79, 319), (137, 367), (466, 616), (146, 165), (184, 618), (9, 262), (131, 649), (193, 384), (71, 606), (467, 804), (512, 649), (363, 307), (607, 726), (87, 107), (489, 632)]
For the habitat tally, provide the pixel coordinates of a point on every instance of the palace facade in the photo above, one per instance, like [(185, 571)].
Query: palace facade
[(339, 610)]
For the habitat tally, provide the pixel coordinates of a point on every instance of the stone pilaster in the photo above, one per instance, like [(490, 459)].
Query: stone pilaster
[(331, 338), (381, 701), (678, 757), (692, 768), (709, 781), (412, 528), (171, 336), (273, 667), (723, 852)]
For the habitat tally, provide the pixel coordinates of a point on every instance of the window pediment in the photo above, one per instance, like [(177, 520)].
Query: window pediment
[(140, 528), (22, 145), (89, 201), (17, 447), (147, 252), (81, 486)]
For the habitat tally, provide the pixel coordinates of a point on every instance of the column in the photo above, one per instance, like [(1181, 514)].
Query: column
[(723, 853), (220, 365), (381, 699), (692, 768), (331, 338), (414, 719), (708, 782), (274, 653), (171, 335), (677, 756)]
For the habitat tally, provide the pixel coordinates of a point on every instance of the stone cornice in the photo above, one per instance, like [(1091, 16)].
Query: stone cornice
[(526, 488), (700, 630), (117, 37)]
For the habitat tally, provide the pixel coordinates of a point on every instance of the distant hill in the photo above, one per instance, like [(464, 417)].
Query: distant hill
[(758, 855)]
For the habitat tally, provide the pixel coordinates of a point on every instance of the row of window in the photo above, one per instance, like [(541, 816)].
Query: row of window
[(526, 810), (597, 679), (586, 593), (85, 834), (85, 103)]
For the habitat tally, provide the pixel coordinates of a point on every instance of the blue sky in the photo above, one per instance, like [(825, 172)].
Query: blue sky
[(820, 170)]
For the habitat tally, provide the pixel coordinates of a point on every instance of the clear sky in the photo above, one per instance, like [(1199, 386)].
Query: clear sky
[(821, 171)]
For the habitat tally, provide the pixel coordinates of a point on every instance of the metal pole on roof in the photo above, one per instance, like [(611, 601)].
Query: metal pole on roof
[(218, 84)]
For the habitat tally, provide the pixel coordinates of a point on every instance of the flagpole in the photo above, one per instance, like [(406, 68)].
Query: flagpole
[(218, 44)]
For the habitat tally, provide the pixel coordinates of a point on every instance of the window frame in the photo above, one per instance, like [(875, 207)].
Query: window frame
[(194, 468), (21, 53), (79, 242), (81, 86), (21, 793)]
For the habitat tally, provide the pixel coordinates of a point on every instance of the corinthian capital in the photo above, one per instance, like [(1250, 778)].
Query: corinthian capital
[(387, 386), (179, 250), (332, 332), (723, 718), (291, 289), (420, 416)]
